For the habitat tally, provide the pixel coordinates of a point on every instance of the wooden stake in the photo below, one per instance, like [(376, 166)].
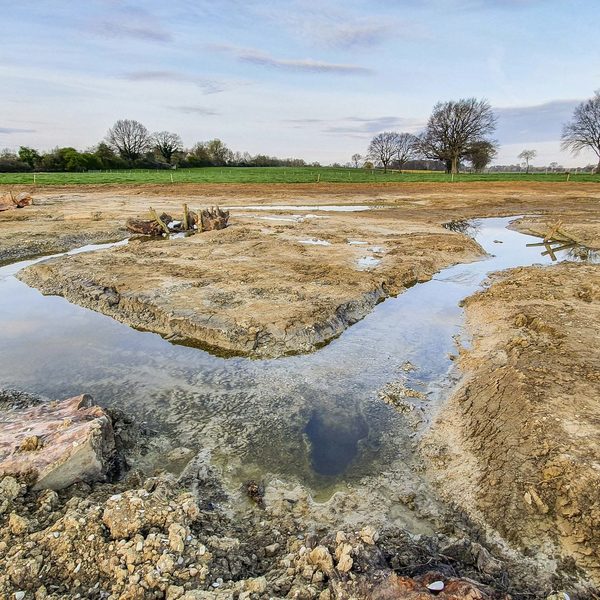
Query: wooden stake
[(186, 218), (171, 177), (158, 220)]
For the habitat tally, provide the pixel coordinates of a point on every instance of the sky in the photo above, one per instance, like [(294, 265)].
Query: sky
[(314, 80)]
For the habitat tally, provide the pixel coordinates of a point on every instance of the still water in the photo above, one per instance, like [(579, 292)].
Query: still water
[(317, 418)]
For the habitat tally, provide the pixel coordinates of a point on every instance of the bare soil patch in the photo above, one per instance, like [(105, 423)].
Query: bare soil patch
[(518, 442)]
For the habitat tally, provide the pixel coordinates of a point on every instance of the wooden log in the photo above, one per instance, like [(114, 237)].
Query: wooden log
[(553, 229), (158, 220), (143, 226), (186, 218), (563, 247), (549, 252), (213, 219)]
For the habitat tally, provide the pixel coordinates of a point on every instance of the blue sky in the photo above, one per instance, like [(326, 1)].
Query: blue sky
[(309, 79)]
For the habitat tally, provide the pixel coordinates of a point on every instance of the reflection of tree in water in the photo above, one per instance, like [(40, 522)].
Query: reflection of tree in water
[(470, 228)]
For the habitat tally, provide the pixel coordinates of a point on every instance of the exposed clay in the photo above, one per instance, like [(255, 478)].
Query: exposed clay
[(255, 288), (518, 443)]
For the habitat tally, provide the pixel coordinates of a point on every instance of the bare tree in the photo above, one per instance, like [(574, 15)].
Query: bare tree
[(167, 144), (383, 148), (454, 127), (527, 156), (406, 148), (583, 132), (130, 138), (356, 158)]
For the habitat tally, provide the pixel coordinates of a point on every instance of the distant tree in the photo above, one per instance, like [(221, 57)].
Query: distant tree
[(130, 138), (167, 144), (481, 154), (367, 165), (554, 166), (406, 148), (454, 127), (527, 156), (29, 156), (583, 132), (218, 152), (356, 158), (384, 148)]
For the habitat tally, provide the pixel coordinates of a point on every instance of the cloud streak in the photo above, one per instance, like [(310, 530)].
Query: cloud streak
[(143, 32), (11, 130), (361, 127), (308, 65), (208, 86), (195, 110)]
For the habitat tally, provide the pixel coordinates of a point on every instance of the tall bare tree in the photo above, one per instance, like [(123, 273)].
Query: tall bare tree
[(167, 144), (356, 158), (406, 148), (383, 148), (130, 138), (583, 132), (527, 156), (454, 127)]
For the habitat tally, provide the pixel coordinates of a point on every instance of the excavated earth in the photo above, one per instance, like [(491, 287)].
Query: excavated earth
[(517, 445), (514, 451)]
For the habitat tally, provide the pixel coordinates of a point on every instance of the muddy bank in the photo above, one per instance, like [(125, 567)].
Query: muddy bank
[(517, 445), (267, 286), (66, 217), (48, 228)]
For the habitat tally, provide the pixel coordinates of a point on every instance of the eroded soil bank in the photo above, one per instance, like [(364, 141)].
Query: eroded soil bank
[(266, 286), (277, 282), (517, 445)]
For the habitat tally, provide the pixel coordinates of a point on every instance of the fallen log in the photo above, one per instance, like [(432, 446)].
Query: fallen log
[(10, 201), (211, 219), (143, 226)]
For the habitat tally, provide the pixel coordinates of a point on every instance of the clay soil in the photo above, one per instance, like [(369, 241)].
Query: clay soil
[(515, 448), (518, 443), (258, 288)]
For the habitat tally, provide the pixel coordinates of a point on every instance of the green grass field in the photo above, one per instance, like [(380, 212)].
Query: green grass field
[(238, 175)]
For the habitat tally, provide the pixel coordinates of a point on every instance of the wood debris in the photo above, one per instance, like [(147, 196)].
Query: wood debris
[(10, 201)]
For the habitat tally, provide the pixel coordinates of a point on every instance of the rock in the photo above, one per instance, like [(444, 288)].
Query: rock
[(436, 586), (321, 558), (177, 534), (345, 561), (19, 595), (368, 535), (271, 549), (17, 524), (77, 439), (258, 585)]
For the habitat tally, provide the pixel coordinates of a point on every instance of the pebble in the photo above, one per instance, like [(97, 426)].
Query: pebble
[(436, 586), (19, 595)]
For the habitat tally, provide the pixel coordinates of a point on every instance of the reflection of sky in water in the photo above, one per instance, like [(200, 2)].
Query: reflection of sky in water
[(262, 412)]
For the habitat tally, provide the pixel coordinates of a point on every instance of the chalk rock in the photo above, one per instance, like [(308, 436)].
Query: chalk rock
[(56, 444)]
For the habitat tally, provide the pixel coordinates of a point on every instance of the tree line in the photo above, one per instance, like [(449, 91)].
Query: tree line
[(129, 145), (460, 132)]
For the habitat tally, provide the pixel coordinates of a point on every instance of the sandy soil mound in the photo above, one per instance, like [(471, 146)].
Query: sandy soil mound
[(261, 287), (519, 442)]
